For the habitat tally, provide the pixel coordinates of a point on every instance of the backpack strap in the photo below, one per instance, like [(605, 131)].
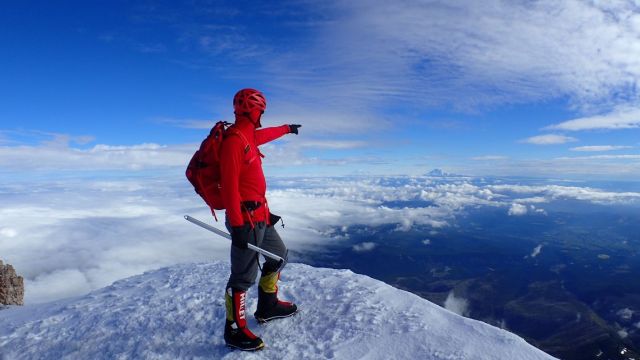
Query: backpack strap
[(247, 146)]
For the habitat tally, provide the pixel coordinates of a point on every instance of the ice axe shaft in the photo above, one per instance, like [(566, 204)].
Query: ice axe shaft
[(226, 235)]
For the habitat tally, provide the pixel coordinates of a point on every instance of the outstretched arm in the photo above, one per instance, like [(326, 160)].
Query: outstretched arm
[(266, 135)]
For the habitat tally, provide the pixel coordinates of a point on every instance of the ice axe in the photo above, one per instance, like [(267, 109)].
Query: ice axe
[(281, 261)]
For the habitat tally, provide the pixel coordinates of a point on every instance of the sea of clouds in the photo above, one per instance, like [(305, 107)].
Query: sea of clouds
[(67, 237)]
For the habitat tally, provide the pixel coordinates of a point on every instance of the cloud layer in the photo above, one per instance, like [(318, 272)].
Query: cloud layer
[(45, 157), (69, 237)]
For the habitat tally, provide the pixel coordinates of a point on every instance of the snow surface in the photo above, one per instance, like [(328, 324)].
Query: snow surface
[(178, 313)]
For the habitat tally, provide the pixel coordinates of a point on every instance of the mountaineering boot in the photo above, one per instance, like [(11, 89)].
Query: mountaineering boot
[(236, 333), (269, 307)]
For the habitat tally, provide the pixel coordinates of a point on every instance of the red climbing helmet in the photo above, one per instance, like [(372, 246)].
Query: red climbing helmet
[(248, 100)]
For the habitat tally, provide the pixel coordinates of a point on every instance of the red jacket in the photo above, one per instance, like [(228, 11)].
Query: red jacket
[(242, 178)]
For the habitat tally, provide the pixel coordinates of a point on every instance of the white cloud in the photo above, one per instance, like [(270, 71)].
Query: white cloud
[(8, 232), (493, 51), (625, 314), (458, 195), (489, 158), (536, 251), (58, 284), (457, 305), (595, 148), (538, 211), (553, 192), (621, 118), (517, 210), (534, 200), (344, 202), (364, 247), (426, 242), (50, 139), (550, 139), (603, 157)]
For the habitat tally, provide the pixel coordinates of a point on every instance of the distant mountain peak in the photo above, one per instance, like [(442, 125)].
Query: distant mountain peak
[(439, 173), (178, 312)]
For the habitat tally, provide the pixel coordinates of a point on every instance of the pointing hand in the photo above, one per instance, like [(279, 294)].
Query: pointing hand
[(293, 128)]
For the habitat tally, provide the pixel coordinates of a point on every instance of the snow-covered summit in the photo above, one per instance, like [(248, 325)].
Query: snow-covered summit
[(178, 313), (440, 173)]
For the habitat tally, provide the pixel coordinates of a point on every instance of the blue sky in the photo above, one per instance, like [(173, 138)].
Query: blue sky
[(541, 88)]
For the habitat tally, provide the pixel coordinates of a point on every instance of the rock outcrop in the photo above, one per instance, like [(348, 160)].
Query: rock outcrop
[(11, 286)]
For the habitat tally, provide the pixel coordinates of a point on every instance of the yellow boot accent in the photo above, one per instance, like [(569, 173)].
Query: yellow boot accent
[(228, 302), (268, 283)]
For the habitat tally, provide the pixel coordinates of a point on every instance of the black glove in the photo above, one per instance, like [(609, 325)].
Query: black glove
[(293, 128), (241, 235)]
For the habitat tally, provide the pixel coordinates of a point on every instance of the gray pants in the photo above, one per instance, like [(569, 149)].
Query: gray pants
[(244, 262)]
